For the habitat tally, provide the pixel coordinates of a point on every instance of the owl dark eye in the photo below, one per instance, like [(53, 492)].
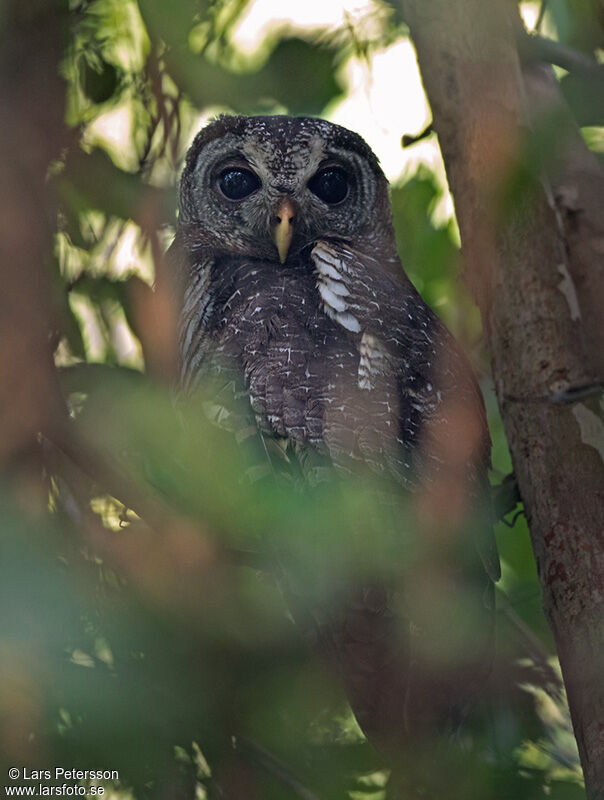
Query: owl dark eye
[(235, 184), (330, 185)]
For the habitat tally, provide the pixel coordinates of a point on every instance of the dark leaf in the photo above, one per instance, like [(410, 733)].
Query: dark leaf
[(98, 82)]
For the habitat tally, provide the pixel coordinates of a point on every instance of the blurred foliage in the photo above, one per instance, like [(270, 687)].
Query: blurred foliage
[(123, 649)]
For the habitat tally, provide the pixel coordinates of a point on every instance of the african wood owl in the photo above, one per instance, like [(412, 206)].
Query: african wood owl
[(292, 283)]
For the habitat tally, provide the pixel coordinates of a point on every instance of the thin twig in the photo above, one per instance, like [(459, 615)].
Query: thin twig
[(533, 47), (541, 16), (514, 519), (564, 397), (275, 766), (408, 139)]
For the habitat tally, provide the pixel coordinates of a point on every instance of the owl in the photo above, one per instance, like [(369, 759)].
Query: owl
[(293, 293)]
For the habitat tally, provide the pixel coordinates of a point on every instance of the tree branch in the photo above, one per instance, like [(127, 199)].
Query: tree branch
[(532, 47), (532, 269), (275, 767)]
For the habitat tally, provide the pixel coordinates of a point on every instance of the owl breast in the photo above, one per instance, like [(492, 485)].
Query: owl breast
[(299, 368)]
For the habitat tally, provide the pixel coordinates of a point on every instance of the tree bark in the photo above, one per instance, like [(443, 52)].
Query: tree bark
[(32, 104), (535, 270)]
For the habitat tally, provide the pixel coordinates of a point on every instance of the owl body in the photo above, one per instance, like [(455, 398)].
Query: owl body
[(309, 379), (293, 293)]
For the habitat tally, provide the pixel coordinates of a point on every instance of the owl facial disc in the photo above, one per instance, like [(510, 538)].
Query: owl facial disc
[(283, 230)]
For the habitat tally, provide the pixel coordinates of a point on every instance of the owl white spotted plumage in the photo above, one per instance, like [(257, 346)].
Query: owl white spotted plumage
[(293, 285)]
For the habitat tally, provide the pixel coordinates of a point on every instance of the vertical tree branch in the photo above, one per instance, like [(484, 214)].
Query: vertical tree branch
[(32, 101), (523, 267)]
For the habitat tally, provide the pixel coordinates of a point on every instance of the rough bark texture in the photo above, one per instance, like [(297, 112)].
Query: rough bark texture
[(536, 268), (576, 181)]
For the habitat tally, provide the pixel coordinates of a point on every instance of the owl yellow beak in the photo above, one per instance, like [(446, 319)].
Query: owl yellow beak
[(284, 227)]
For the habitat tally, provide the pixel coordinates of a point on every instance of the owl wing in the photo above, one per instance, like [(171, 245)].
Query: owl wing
[(395, 330)]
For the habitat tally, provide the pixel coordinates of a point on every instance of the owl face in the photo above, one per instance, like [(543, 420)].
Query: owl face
[(268, 187)]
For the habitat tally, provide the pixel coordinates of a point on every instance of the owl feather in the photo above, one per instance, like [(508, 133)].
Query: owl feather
[(294, 298)]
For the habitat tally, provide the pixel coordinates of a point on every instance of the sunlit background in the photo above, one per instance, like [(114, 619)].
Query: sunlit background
[(379, 95)]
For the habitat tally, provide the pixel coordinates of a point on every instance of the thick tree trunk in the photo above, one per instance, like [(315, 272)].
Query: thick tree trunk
[(535, 269)]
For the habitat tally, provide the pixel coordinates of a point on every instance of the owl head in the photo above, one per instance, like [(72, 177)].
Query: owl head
[(268, 187)]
